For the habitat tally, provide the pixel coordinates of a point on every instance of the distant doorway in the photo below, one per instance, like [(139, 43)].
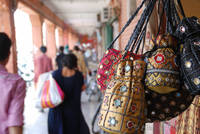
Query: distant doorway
[(24, 45)]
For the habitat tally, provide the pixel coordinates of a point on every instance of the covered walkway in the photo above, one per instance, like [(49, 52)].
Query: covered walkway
[(89, 24)]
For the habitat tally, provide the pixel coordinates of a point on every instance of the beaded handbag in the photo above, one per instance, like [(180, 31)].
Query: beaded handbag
[(111, 57), (162, 107), (188, 33), (122, 110), (105, 70)]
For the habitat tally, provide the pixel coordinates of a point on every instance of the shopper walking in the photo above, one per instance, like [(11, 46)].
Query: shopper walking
[(81, 61), (42, 63), (67, 118), (12, 89), (59, 57)]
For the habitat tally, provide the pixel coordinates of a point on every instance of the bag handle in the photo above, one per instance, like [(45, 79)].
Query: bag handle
[(169, 27), (140, 40), (127, 24), (142, 36), (145, 16), (161, 20), (175, 13), (174, 17), (181, 8)]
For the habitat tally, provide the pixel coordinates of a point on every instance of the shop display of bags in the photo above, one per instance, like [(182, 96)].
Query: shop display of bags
[(123, 106), (165, 94), (137, 91)]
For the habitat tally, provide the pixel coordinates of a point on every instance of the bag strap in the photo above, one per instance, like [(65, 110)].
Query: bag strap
[(175, 13), (161, 21), (175, 19), (127, 24), (181, 8), (145, 16), (95, 118), (138, 40), (142, 36), (168, 9)]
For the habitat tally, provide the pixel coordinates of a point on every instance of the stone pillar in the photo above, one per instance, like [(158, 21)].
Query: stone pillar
[(70, 39), (7, 8), (124, 17), (74, 40), (61, 37), (36, 22), (51, 41)]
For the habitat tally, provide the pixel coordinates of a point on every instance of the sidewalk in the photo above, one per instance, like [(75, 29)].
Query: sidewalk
[(36, 122)]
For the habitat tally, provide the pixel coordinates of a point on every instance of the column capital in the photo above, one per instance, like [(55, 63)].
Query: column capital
[(49, 23), (9, 5)]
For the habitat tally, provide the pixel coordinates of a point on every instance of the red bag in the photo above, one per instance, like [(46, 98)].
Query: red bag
[(105, 64), (105, 70), (112, 56)]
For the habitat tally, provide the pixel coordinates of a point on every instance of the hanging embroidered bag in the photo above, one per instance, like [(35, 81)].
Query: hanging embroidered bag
[(188, 33), (162, 75), (111, 57), (162, 107), (123, 106)]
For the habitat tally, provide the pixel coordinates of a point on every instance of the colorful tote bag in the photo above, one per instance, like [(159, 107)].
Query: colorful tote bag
[(122, 110), (189, 121), (162, 75), (49, 93), (188, 33), (111, 57)]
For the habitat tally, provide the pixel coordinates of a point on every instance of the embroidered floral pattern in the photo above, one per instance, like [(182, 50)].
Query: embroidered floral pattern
[(112, 121)]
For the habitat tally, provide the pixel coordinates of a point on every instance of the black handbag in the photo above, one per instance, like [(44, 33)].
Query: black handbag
[(161, 107), (188, 34)]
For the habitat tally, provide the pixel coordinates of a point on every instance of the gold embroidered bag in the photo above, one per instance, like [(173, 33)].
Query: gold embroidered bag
[(123, 106), (162, 75)]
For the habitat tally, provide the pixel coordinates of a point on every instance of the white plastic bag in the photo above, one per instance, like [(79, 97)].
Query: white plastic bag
[(49, 94)]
